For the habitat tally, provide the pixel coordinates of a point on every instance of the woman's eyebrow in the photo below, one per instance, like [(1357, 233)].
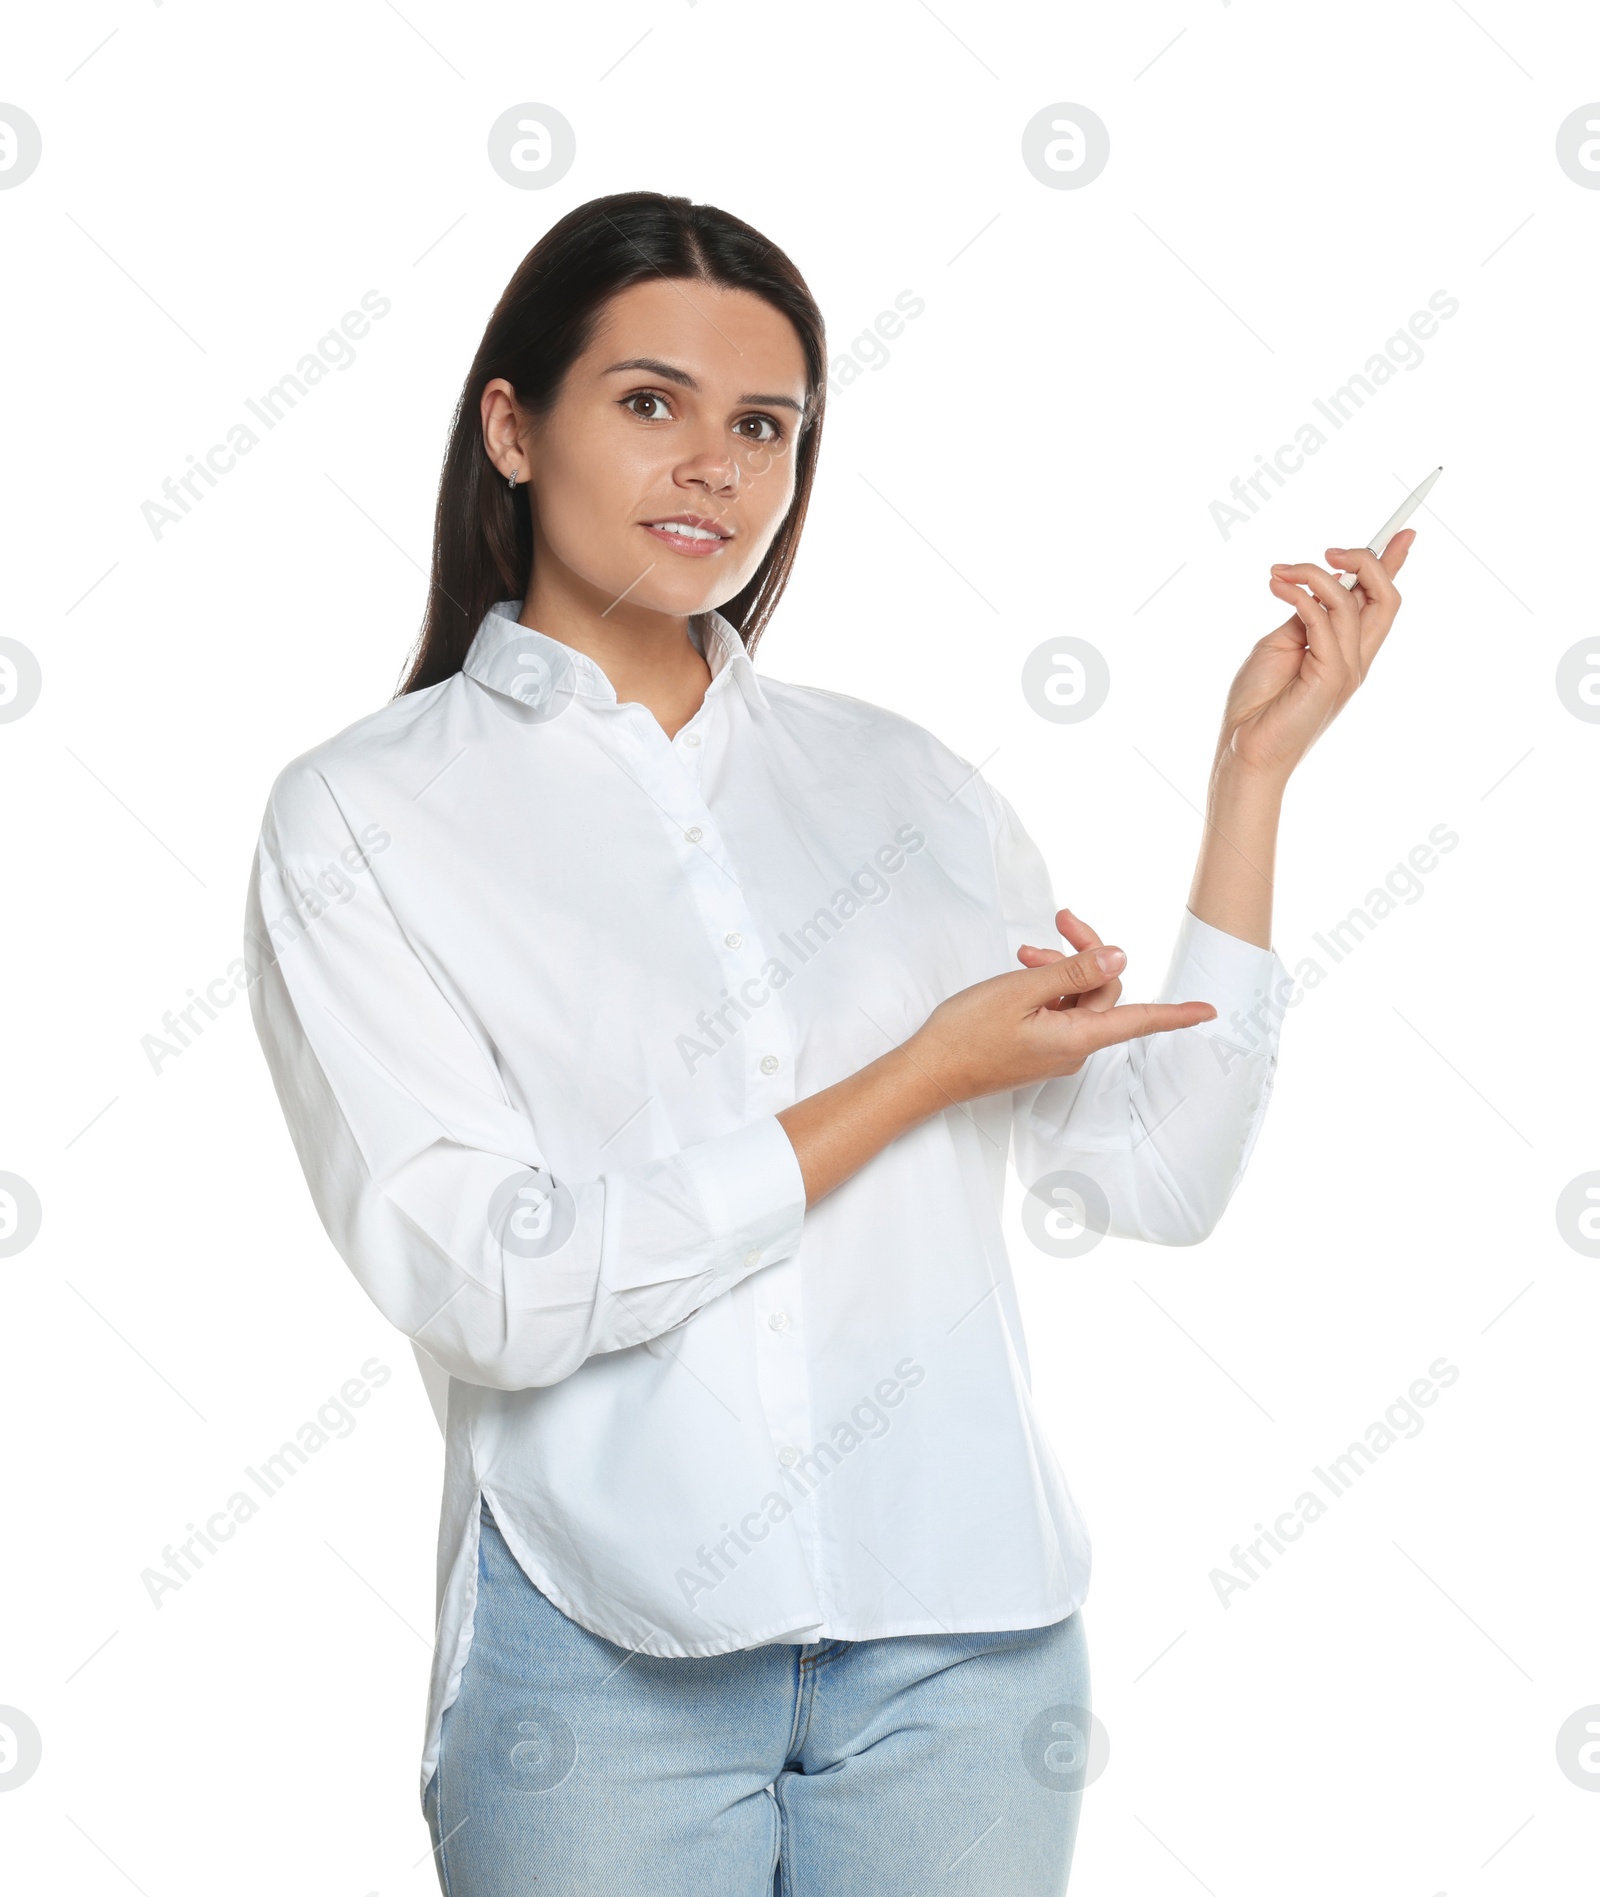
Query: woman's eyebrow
[(686, 381), (663, 369)]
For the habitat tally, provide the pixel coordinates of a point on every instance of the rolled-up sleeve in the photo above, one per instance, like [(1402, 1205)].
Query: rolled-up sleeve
[(1164, 1125), (415, 1154)]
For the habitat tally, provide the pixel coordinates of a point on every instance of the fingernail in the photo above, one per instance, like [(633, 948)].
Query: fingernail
[(1110, 959), (1282, 567)]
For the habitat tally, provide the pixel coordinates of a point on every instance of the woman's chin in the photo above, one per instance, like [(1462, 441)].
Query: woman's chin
[(682, 602)]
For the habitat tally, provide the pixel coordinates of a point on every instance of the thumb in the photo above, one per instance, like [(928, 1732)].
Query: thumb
[(1064, 975)]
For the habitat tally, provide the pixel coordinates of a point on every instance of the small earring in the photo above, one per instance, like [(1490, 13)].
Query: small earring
[(512, 482)]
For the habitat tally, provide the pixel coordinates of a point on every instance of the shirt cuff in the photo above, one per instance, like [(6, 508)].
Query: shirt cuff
[(1236, 977), (754, 1195)]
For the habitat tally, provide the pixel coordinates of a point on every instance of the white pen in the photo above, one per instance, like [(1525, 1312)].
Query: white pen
[(1396, 521)]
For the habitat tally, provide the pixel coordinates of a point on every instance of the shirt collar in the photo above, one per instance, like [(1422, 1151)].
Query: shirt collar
[(522, 663)]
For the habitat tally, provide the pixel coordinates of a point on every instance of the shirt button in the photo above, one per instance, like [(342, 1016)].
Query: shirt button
[(691, 738), (694, 835), (752, 1258), (779, 1320), (769, 1063), (733, 938), (788, 1456)]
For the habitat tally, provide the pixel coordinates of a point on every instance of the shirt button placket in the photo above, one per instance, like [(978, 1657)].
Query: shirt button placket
[(781, 1370), (765, 1049)]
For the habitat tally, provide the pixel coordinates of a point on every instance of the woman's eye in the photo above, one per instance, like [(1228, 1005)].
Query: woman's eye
[(659, 413), (758, 428)]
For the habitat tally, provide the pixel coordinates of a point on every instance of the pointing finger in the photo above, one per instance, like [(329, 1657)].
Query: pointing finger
[(1130, 1022)]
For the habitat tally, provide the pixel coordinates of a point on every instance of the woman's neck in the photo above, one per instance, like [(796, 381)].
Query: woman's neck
[(650, 658)]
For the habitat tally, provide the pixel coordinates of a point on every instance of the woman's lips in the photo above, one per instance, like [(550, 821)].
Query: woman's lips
[(699, 546)]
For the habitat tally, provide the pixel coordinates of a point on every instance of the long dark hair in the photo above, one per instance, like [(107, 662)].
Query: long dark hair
[(483, 530)]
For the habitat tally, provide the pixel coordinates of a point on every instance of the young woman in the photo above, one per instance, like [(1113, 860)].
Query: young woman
[(644, 1030)]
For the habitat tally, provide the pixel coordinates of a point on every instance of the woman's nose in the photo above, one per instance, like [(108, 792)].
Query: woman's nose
[(716, 471)]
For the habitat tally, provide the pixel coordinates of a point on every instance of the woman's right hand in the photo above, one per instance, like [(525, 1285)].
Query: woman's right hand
[(1040, 1023), (1009, 1031)]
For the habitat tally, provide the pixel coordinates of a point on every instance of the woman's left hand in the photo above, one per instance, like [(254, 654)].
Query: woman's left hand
[(1300, 676)]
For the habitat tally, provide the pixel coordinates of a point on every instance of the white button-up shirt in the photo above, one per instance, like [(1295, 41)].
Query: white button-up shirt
[(535, 981)]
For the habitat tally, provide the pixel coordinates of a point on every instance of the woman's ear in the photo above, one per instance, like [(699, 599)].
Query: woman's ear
[(504, 433)]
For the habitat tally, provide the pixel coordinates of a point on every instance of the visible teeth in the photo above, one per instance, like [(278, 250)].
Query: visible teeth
[(683, 527)]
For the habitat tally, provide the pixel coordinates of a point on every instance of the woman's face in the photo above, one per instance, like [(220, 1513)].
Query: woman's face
[(666, 464)]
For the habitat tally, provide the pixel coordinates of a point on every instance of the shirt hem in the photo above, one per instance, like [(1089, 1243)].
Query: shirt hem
[(458, 1613), (778, 1631)]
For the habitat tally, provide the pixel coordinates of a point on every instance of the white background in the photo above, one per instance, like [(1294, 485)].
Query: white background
[(1093, 367)]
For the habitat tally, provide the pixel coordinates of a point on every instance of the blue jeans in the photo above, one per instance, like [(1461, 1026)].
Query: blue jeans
[(871, 1768)]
